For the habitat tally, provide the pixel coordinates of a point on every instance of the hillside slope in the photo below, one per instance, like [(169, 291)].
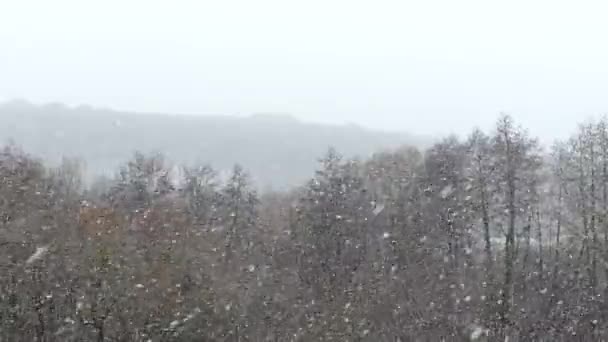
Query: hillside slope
[(277, 150)]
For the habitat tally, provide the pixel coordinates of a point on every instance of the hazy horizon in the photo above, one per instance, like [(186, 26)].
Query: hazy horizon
[(429, 68), (433, 136), (286, 115)]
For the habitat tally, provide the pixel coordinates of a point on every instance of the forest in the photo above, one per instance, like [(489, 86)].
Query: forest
[(490, 237)]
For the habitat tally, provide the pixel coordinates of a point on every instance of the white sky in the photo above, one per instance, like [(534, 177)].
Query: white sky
[(427, 66)]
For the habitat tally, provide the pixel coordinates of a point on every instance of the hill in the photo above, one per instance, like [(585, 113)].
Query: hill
[(278, 150)]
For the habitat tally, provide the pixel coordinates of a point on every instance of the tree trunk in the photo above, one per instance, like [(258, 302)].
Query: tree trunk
[(604, 218), (485, 217), (558, 229), (525, 270), (584, 252), (593, 269), (510, 236), (539, 237)]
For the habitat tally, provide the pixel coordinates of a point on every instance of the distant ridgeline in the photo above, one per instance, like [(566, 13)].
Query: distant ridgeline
[(278, 150)]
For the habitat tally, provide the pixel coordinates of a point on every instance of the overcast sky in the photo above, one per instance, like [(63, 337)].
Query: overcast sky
[(429, 67)]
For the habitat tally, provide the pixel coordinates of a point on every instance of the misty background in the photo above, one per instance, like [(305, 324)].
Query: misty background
[(279, 151), (430, 68)]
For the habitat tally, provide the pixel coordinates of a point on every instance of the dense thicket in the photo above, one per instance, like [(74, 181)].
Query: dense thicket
[(485, 238)]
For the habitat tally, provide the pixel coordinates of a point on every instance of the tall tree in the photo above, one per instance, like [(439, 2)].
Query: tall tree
[(481, 172), (517, 157)]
